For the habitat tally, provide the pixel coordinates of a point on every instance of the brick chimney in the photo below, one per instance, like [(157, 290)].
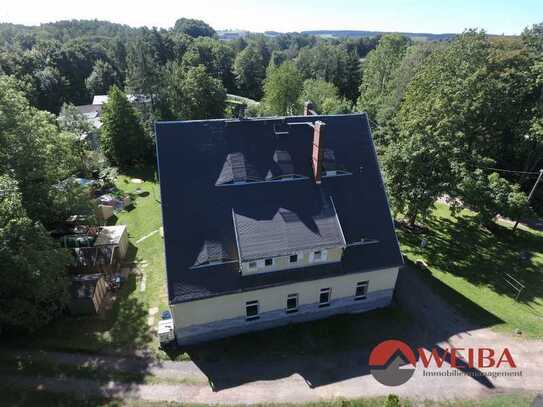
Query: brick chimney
[(318, 148), (308, 109)]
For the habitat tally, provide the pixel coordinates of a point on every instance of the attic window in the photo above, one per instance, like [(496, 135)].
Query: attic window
[(283, 167), (284, 162), (212, 252), (330, 166), (237, 170)]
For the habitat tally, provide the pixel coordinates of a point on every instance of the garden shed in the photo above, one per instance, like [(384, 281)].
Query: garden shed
[(88, 292), (97, 259), (114, 236)]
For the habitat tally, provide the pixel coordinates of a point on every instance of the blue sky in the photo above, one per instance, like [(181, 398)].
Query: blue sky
[(497, 17)]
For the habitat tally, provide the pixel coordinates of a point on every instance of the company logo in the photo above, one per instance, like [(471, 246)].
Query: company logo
[(393, 362), (387, 361)]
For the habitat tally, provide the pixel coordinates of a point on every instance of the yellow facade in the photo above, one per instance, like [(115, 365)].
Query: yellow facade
[(304, 259), (274, 298)]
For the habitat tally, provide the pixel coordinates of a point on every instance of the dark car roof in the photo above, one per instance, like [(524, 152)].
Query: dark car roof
[(200, 200)]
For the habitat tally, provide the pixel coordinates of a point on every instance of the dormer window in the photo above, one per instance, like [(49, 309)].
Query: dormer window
[(282, 168), (330, 166), (318, 256), (284, 162), (237, 170), (212, 252), (277, 236)]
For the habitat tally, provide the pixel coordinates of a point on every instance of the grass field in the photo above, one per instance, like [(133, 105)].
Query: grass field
[(15, 397), (473, 261)]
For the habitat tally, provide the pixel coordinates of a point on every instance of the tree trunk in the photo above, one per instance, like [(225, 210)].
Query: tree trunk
[(413, 217)]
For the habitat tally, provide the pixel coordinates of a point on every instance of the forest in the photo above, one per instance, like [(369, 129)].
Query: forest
[(460, 118)]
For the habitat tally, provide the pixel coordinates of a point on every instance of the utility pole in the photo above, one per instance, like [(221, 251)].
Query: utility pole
[(530, 196)]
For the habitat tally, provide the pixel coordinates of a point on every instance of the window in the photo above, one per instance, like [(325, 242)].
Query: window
[(361, 290), (317, 256), (292, 303), (294, 258), (324, 298), (268, 262), (251, 310), (252, 264)]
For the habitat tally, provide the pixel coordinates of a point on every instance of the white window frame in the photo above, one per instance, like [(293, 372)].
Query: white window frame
[(295, 309), (323, 256), (297, 258), (327, 290), (363, 296), (272, 262), (251, 304)]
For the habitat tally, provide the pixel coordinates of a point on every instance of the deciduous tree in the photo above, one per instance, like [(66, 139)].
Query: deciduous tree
[(35, 284), (282, 90), (192, 93), (102, 77), (194, 28), (250, 71)]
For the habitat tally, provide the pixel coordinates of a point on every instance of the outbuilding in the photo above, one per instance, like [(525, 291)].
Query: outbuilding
[(88, 292), (114, 236)]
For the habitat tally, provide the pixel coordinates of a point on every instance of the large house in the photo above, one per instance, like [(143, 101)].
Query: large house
[(272, 221)]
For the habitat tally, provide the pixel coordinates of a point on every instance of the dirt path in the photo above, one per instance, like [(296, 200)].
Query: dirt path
[(314, 378)]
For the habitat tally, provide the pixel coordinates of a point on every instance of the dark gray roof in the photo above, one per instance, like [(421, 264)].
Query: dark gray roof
[(198, 214), (91, 111), (237, 168), (278, 225), (84, 285)]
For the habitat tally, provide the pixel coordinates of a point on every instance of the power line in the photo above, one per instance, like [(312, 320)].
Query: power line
[(533, 173), (511, 171)]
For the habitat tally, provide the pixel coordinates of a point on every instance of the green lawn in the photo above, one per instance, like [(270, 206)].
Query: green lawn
[(16, 397), (473, 261)]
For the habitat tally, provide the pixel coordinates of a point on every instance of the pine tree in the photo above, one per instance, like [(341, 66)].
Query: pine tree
[(123, 138)]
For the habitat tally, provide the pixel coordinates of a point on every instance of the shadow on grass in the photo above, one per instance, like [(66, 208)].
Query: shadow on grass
[(17, 397), (112, 220), (131, 253), (146, 173), (338, 348), (481, 256), (110, 346), (121, 329)]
